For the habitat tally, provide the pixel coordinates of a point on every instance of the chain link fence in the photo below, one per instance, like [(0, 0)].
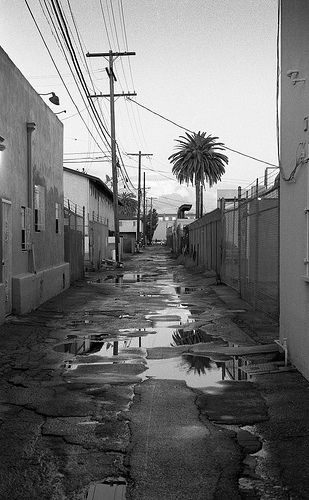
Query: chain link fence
[(250, 247)]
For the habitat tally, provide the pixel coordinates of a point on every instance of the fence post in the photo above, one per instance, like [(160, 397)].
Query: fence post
[(84, 232), (69, 215), (239, 239), (278, 253), (221, 237), (256, 263)]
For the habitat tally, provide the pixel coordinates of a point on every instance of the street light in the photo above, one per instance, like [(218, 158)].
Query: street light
[(59, 113), (54, 98)]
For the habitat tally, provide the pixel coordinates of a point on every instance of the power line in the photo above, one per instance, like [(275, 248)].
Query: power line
[(68, 63), (191, 131), (58, 71), (65, 33)]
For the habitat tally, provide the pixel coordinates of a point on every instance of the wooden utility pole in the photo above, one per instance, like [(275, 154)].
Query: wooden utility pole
[(112, 56), (150, 221), (144, 212), (139, 192)]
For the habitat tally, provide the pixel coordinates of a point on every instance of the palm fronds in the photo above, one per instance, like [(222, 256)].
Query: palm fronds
[(198, 159)]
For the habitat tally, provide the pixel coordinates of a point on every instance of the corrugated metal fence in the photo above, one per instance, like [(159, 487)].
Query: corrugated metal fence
[(204, 241), (74, 230)]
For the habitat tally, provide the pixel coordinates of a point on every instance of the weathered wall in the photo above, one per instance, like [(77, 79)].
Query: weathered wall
[(20, 105), (294, 287)]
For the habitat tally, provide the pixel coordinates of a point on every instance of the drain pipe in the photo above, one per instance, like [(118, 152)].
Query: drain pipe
[(30, 129)]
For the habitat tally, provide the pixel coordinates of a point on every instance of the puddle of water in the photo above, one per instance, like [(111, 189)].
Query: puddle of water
[(150, 295), (108, 490), (165, 322), (194, 370), (127, 278), (85, 345), (184, 290)]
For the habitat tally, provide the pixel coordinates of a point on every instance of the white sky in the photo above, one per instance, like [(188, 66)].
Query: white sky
[(208, 65)]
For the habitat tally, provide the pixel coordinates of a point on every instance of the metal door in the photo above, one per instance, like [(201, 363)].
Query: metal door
[(6, 252)]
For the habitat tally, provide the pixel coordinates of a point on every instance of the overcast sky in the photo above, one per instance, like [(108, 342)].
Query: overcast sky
[(208, 65)]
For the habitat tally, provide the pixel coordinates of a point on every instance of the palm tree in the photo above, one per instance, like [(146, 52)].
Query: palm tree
[(198, 161), (129, 204)]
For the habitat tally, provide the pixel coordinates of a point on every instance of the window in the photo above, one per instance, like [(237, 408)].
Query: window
[(25, 214), (57, 210), (39, 208)]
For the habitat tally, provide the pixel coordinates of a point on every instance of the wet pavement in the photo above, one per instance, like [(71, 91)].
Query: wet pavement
[(124, 386)]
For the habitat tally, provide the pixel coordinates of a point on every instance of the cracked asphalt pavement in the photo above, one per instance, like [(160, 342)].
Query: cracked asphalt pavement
[(109, 385)]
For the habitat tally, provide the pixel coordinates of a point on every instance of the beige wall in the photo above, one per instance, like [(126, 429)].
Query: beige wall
[(294, 288)]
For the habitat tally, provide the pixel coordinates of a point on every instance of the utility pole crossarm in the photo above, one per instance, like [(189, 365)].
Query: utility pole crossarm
[(107, 54), (123, 94), (142, 154)]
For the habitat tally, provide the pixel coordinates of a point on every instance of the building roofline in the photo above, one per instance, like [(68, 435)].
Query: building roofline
[(96, 180)]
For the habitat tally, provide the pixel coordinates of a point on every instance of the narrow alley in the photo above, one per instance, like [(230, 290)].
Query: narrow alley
[(123, 387)]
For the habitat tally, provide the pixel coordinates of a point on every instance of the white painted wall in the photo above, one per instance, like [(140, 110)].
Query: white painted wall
[(128, 226), (75, 188), (294, 196)]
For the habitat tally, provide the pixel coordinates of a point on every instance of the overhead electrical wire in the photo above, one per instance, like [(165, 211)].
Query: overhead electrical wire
[(191, 131), (90, 104), (58, 71), (65, 32), (63, 25)]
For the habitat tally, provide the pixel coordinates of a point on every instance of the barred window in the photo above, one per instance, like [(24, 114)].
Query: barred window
[(26, 216), (57, 214), (39, 208)]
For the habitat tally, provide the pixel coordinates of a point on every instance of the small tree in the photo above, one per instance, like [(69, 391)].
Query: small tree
[(129, 203), (151, 224)]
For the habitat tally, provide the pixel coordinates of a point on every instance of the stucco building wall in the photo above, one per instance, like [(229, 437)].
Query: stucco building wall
[(42, 266), (294, 195)]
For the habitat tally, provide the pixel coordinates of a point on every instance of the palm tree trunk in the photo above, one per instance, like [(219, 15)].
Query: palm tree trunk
[(197, 198), (201, 200)]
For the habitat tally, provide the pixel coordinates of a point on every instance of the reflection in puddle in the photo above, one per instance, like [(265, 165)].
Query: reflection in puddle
[(184, 337), (108, 490), (184, 290), (127, 278), (85, 345), (194, 370)]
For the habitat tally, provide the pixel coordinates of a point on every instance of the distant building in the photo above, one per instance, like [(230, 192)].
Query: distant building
[(127, 230), (31, 196), (228, 194), (167, 220), (91, 194)]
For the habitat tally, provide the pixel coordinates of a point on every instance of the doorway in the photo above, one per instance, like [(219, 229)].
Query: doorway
[(6, 252)]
